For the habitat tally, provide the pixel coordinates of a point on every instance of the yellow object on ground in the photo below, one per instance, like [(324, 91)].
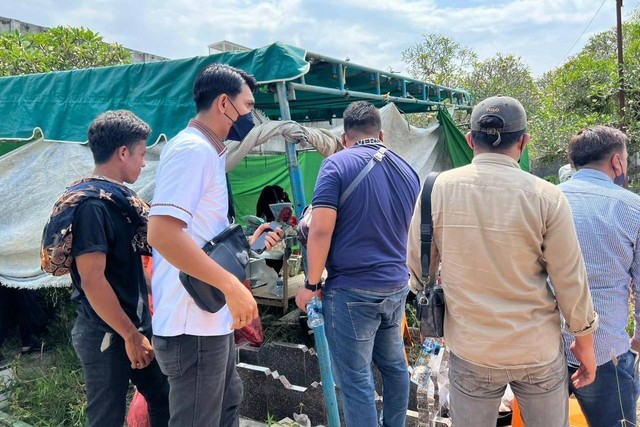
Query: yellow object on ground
[(576, 419)]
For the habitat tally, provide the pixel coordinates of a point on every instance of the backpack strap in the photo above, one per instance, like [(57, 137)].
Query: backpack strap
[(426, 225), (377, 158)]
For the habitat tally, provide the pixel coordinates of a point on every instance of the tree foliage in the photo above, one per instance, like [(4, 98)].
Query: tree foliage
[(584, 91), (444, 61), (439, 59), (59, 48), (580, 93), (504, 75)]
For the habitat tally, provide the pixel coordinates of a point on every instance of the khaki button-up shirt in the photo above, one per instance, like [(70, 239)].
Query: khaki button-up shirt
[(499, 232)]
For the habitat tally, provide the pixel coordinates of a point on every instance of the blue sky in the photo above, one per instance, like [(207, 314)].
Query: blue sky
[(370, 32)]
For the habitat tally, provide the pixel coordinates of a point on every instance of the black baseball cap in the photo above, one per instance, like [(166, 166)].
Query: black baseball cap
[(507, 109)]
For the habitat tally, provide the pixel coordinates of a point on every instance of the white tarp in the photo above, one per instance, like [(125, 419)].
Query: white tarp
[(423, 148), (32, 177)]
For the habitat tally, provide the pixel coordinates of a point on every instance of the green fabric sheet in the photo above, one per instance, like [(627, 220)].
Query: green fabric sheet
[(6, 146), (254, 172), (64, 103), (455, 141)]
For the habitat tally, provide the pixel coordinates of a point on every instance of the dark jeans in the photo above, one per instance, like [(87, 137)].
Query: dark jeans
[(107, 371), (205, 388), (603, 401)]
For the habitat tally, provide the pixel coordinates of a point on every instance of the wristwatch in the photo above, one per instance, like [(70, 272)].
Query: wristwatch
[(315, 287)]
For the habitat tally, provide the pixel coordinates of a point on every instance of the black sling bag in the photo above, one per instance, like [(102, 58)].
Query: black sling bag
[(430, 304)]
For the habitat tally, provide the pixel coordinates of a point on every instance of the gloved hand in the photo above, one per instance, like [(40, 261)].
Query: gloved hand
[(295, 133)]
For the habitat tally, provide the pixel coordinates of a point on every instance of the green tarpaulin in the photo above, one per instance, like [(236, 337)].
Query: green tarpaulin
[(63, 104), (460, 152), (6, 146), (253, 173)]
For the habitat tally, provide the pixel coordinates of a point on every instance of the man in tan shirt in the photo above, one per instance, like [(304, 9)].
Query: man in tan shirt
[(499, 232)]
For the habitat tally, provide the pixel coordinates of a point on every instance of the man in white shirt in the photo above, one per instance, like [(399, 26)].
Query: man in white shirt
[(195, 348)]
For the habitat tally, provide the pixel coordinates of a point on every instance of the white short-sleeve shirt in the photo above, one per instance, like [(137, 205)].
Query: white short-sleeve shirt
[(191, 186)]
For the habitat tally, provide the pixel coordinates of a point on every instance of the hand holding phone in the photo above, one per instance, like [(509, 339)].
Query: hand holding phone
[(260, 244)]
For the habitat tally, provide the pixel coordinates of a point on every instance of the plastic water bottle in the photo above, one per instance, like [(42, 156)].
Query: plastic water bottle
[(422, 370), (314, 313), (279, 287)]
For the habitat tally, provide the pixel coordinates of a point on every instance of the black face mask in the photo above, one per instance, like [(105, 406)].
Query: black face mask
[(521, 153), (620, 179), (241, 126)]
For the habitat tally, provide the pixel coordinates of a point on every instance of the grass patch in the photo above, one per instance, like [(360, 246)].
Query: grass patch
[(48, 389)]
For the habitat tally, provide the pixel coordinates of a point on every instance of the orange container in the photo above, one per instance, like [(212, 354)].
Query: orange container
[(576, 419)]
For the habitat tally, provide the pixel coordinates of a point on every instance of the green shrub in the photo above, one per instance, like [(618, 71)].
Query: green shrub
[(410, 312), (552, 179)]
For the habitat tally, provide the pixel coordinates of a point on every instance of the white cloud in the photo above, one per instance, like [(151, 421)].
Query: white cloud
[(541, 31), (515, 12), (371, 32)]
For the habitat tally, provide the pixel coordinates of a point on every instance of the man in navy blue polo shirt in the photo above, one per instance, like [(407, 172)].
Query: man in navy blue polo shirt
[(363, 244)]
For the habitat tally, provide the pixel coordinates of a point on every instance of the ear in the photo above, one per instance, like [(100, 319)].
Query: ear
[(381, 136), (525, 140), (221, 102), (343, 139), (121, 152), (616, 164), (469, 141)]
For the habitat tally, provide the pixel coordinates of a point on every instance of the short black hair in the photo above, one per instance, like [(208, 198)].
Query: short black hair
[(485, 140), (362, 117), (113, 129), (595, 144), (216, 79)]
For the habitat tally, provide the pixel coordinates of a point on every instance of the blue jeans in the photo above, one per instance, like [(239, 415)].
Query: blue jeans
[(601, 401), (476, 391), (107, 371), (205, 388), (364, 326)]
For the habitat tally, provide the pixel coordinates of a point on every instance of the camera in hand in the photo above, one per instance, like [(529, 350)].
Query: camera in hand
[(260, 245)]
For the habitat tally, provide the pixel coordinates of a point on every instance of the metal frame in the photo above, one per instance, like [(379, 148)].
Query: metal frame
[(342, 66), (285, 91)]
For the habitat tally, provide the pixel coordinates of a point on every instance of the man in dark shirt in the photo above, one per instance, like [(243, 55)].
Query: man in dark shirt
[(363, 243), (97, 233)]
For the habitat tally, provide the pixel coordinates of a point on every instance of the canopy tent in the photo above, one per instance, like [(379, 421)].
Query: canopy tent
[(293, 84), (62, 104)]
